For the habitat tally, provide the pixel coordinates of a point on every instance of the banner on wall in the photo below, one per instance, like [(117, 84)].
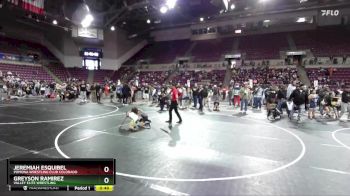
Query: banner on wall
[(35, 6)]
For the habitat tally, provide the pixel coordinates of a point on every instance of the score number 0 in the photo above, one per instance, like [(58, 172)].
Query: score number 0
[(106, 170)]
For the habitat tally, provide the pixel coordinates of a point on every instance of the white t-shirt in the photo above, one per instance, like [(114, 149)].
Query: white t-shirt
[(290, 89)]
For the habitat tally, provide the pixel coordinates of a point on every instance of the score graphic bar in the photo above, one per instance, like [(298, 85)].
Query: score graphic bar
[(61, 174)]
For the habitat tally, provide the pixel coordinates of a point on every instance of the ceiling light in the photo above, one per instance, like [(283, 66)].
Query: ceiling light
[(233, 6), (301, 19), (86, 22), (171, 4), (87, 8), (303, 1), (225, 3), (163, 9), (238, 31), (112, 28), (148, 21), (262, 1), (201, 19), (54, 22), (267, 21), (89, 17)]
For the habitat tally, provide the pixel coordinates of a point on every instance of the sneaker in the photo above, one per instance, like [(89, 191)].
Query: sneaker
[(179, 122)]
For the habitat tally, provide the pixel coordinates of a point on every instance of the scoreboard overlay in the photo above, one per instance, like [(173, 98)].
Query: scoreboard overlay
[(61, 174)]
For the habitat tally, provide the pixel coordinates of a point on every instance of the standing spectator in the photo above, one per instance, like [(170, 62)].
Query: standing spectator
[(307, 93), (200, 97), (236, 97), (174, 105), (88, 91), (181, 93), (162, 101), (244, 95), (258, 93), (195, 95), (230, 95), (210, 95), (98, 92), (146, 92), (344, 59), (281, 98), (291, 87), (126, 93), (113, 91), (216, 98), (298, 98), (345, 102), (106, 90), (133, 93), (224, 94), (205, 95), (83, 91), (313, 104)]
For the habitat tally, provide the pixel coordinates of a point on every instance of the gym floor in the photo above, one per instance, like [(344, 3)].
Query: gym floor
[(215, 153)]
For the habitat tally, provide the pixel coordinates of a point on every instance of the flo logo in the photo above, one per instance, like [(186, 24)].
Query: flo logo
[(329, 12)]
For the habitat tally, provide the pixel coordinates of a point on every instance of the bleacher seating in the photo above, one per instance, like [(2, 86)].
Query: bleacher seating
[(161, 52), (264, 46), (152, 77), (325, 76), (264, 76), (213, 76), (59, 70), (212, 50), (27, 72), (121, 73), (79, 73), (324, 42), (21, 47), (101, 75)]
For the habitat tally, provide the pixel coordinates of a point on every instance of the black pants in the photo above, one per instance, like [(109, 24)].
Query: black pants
[(162, 104), (173, 106), (125, 99), (98, 97), (200, 100)]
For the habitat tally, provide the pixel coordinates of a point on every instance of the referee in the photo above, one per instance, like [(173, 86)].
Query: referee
[(173, 105)]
